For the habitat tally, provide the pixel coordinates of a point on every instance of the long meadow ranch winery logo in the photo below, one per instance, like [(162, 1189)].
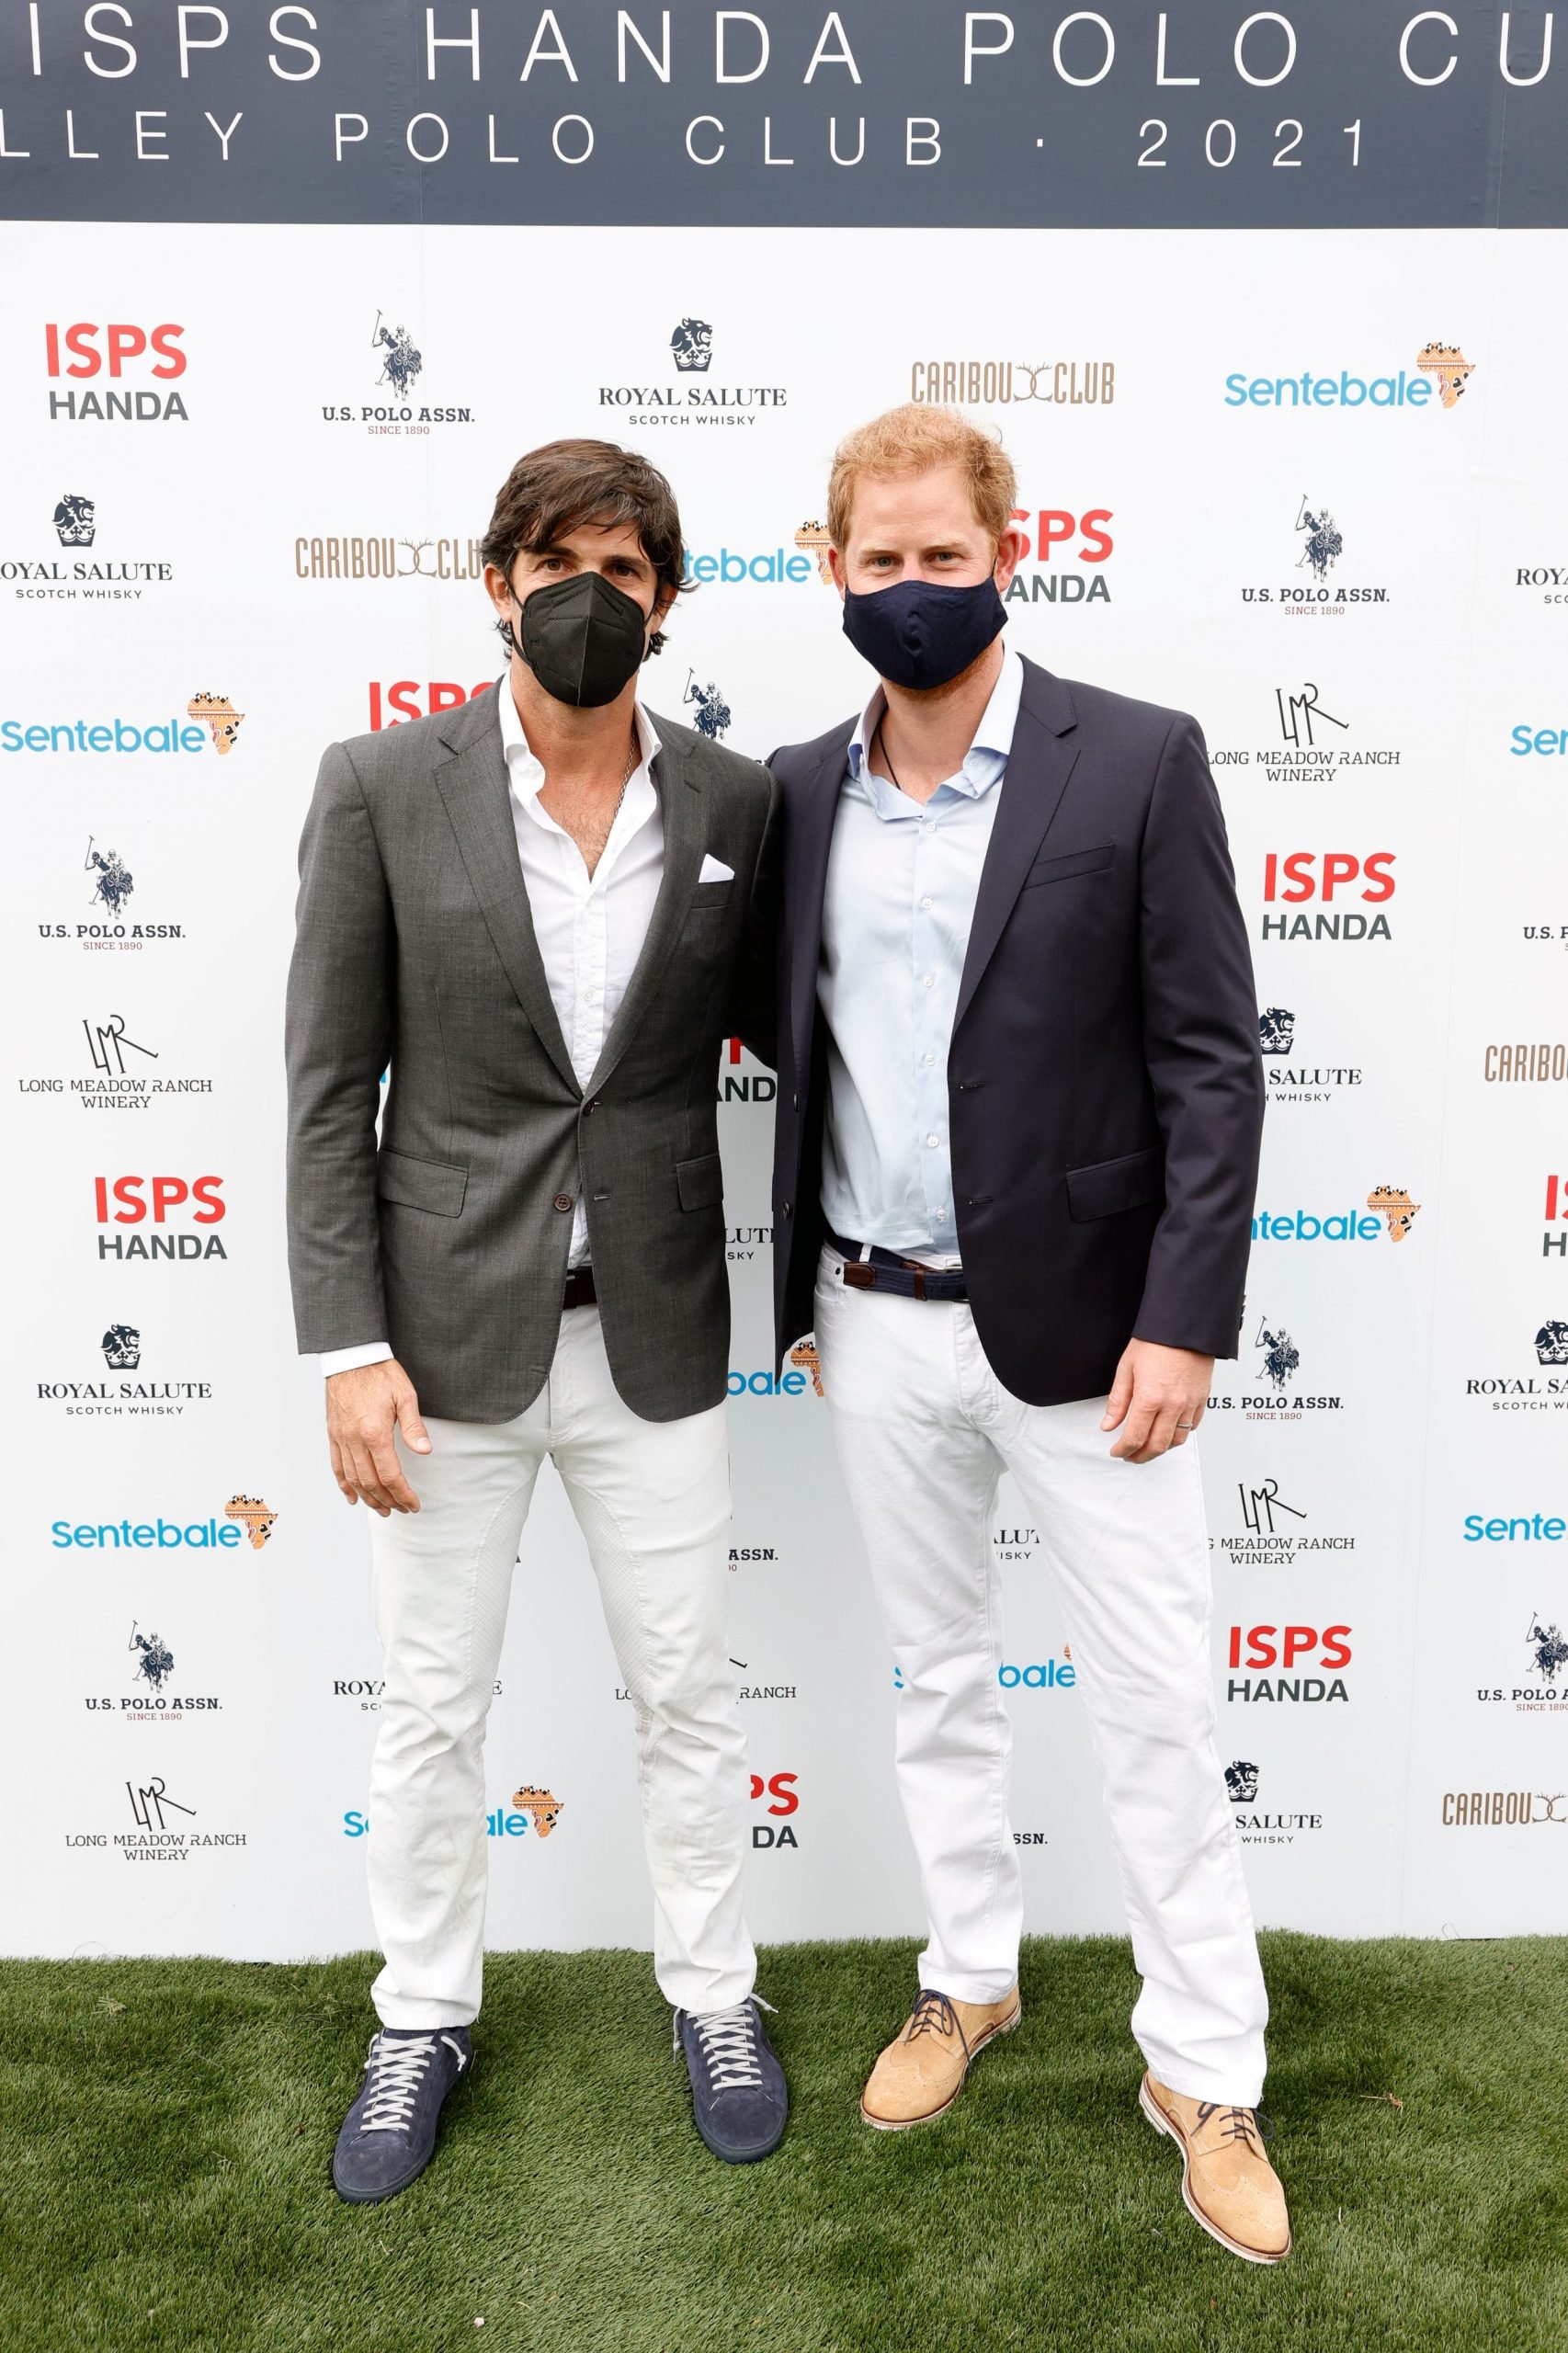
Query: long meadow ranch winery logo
[(692, 394), (1275, 1527), (100, 374), (116, 1072), (1301, 741)]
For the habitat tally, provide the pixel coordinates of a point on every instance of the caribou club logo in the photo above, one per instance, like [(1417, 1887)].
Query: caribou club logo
[(1276, 1030), (74, 521), (122, 1348), (540, 1805), (713, 712), (1241, 1779), (401, 363), (692, 346)]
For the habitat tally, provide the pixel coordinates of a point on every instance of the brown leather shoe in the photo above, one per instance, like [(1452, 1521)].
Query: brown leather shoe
[(922, 2072), (1227, 2182)]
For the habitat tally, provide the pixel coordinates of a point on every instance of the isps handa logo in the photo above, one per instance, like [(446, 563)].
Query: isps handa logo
[(152, 1201), (123, 371), (1288, 1647), (1303, 878), (780, 1799), (695, 397), (1056, 542), (385, 407)]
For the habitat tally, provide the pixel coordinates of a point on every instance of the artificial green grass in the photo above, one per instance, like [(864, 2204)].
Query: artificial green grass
[(167, 2128)]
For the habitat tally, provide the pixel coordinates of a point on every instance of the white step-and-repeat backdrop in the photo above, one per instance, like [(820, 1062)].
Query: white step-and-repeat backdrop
[(285, 298)]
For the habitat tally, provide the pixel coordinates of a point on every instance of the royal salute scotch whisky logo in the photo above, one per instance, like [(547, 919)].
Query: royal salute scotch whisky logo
[(395, 413), (1545, 1392), (1241, 1779), (693, 398), (153, 1397), (101, 579), (1293, 1081)]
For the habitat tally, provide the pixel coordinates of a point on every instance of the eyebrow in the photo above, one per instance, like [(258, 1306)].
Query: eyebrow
[(622, 555)]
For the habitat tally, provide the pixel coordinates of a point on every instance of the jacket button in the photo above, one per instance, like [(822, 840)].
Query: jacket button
[(563, 1200), (591, 1105), (794, 1102), (788, 1211)]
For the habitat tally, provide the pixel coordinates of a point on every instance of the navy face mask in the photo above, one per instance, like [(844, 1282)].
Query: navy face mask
[(920, 633)]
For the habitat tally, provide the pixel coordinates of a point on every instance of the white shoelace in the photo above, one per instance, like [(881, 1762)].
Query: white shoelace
[(727, 2039), (397, 2068)]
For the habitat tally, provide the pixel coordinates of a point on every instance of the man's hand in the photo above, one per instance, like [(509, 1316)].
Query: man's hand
[(1156, 1399), (363, 1407)]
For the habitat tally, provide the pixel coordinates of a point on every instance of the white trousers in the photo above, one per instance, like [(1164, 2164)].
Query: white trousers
[(653, 1500), (924, 1429)]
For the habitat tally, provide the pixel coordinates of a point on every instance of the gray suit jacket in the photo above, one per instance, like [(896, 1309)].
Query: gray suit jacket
[(416, 948)]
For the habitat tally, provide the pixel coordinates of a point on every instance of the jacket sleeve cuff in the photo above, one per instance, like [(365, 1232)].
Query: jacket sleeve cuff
[(348, 1360)]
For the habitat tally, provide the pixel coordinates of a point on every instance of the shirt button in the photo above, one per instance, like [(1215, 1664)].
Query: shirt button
[(928, 980), (927, 900), (930, 1058), (941, 1217), (563, 1200), (931, 1141), (592, 995)]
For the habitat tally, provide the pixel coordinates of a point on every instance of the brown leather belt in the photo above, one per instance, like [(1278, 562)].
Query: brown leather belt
[(580, 1292)]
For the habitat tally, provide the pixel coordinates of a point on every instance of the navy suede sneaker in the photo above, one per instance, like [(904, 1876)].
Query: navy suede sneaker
[(738, 2093), (389, 2134)]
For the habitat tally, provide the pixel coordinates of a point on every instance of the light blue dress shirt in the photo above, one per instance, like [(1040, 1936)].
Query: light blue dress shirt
[(902, 880)]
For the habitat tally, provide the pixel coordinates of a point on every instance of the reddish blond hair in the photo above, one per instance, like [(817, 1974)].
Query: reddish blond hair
[(911, 440)]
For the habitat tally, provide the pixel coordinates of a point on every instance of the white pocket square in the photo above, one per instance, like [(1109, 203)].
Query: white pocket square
[(715, 871)]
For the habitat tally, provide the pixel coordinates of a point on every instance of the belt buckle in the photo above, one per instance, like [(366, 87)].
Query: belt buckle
[(859, 1275)]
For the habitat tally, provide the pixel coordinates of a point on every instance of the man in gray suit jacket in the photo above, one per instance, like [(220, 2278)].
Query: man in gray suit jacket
[(545, 911)]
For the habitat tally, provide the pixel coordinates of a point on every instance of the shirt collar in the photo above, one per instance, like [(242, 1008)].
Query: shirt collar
[(995, 734), (525, 771)]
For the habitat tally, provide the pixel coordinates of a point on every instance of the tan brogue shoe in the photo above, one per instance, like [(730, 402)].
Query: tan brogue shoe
[(1227, 2182), (922, 2072)]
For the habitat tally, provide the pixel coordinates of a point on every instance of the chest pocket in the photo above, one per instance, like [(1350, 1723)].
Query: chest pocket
[(1073, 861)]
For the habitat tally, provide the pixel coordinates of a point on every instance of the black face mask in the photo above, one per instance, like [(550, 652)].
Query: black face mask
[(920, 633), (581, 638)]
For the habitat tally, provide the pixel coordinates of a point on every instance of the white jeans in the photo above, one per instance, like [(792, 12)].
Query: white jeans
[(653, 1500), (924, 1429)]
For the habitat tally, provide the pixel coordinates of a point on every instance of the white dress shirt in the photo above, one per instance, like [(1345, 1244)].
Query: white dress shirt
[(590, 928), (902, 880)]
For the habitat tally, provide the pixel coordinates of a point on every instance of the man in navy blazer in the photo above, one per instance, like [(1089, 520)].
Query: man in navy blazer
[(1021, 1102)]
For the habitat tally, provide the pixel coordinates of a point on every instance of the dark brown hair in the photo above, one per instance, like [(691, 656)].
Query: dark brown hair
[(556, 490)]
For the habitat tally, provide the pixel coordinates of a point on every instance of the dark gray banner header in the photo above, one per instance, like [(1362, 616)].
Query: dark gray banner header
[(1319, 113)]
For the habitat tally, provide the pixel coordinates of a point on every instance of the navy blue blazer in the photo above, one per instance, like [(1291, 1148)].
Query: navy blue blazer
[(1105, 1084)]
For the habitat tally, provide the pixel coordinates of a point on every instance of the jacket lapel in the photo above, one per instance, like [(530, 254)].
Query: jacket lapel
[(473, 785), (681, 809), (1038, 765), (812, 814)]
